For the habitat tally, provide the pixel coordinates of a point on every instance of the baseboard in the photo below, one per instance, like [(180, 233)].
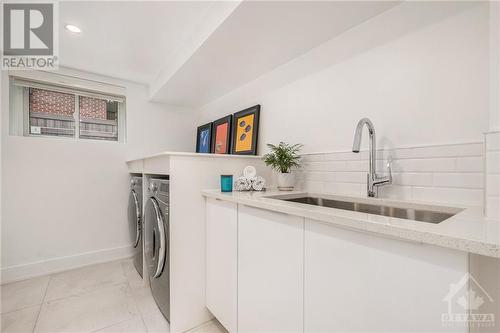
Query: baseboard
[(55, 265)]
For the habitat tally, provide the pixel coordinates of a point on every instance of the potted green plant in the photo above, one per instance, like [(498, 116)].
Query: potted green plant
[(283, 158)]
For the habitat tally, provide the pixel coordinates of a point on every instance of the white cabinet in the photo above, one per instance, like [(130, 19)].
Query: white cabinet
[(270, 271), (273, 272), (361, 282), (221, 278)]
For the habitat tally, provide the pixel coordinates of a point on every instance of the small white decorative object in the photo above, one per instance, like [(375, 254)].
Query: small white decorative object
[(242, 184), (249, 172), (258, 183)]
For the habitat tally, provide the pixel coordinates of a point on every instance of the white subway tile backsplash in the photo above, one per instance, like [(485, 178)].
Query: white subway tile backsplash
[(312, 186), (459, 180), (337, 166), (344, 188), (447, 174), (351, 177), (445, 195), (313, 158), (470, 164), (356, 165), (493, 185), (395, 192), (493, 162), (326, 166), (493, 206), (460, 150), (322, 176), (314, 176), (346, 156), (425, 165), (400, 153), (416, 179), (493, 141), (475, 149)]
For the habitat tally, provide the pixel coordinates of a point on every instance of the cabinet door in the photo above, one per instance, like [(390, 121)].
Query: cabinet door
[(361, 282), (270, 271), (221, 283)]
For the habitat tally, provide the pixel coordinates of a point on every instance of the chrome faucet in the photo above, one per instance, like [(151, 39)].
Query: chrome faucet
[(373, 180)]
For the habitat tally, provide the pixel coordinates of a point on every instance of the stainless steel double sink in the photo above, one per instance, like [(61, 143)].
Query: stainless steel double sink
[(414, 212)]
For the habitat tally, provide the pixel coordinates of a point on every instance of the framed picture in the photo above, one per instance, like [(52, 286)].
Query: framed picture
[(204, 139), (246, 131), (221, 143)]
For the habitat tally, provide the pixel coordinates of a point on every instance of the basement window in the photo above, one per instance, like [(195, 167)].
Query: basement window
[(45, 110), (98, 118)]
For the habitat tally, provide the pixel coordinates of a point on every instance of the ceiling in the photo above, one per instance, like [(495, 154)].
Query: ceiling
[(257, 37), (192, 52), (127, 40)]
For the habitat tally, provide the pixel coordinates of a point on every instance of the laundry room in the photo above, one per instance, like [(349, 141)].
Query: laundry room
[(250, 166)]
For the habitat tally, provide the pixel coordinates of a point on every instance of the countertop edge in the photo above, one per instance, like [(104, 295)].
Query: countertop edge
[(191, 154), (401, 233)]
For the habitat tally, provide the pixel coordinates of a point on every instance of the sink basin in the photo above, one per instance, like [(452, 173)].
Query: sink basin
[(400, 211)]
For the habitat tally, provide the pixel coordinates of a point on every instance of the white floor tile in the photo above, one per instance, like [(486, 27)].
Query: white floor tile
[(135, 325), (86, 279), (211, 327), (155, 322), (20, 321), (144, 300), (133, 277), (19, 295), (87, 312)]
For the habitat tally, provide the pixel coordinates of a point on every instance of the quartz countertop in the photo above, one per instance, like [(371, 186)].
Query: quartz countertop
[(467, 231)]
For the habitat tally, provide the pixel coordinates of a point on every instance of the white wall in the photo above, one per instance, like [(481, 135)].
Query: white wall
[(65, 201), (494, 66), (427, 86)]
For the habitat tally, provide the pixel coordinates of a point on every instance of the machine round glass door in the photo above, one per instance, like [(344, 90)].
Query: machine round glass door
[(155, 239), (134, 217)]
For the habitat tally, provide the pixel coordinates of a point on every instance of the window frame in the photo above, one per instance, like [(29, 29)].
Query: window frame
[(19, 97)]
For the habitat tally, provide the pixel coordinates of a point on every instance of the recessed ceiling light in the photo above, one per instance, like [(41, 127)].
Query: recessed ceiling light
[(73, 28)]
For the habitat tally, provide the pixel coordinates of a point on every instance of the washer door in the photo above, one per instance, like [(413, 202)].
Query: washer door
[(155, 238), (134, 217)]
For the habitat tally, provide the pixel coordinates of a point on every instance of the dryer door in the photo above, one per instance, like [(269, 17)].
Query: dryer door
[(134, 217), (155, 239)]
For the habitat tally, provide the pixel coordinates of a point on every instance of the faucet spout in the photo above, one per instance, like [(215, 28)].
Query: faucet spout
[(359, 131), (357, 141), (373, 180)]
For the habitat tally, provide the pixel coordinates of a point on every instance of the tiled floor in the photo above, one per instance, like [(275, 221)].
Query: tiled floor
[(104, 298)]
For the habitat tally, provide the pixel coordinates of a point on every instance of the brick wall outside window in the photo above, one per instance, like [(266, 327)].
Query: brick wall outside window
[(92, 108), (50, 102), (52, 113)]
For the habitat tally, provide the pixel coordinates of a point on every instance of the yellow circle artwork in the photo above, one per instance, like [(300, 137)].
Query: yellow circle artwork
[(244, 133)]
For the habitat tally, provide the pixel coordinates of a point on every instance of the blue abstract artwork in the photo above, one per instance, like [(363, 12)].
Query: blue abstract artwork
[(205, 141)]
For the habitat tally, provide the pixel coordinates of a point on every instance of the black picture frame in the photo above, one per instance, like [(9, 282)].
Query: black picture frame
[(229, 120), (201, 145), (254, 130)]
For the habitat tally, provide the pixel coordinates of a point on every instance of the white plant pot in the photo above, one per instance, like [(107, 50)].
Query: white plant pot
[(286, 181)]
